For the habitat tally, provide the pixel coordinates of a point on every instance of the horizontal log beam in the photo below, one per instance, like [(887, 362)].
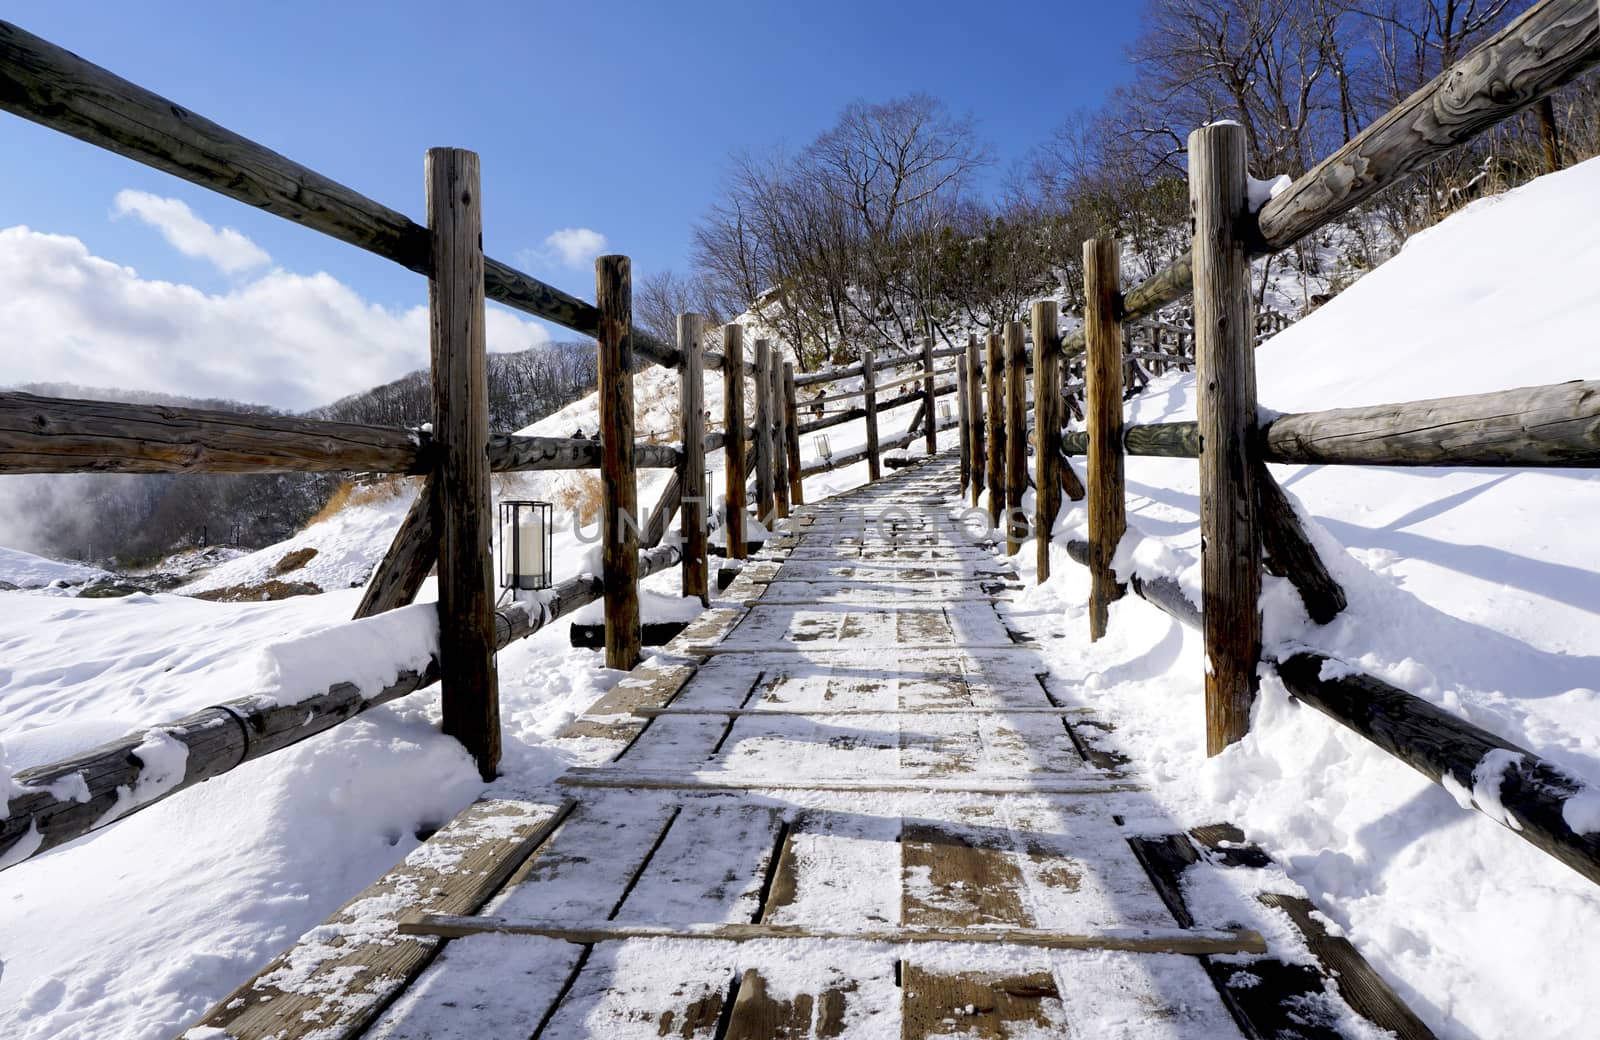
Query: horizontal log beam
[(1530, 793), (67, 799), (1158, 590), (850, 458), (59, 435), (1555, 426), (827, 375), (846, 415)]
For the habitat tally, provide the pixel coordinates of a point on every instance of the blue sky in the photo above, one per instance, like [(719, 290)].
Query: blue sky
[(612, 117)]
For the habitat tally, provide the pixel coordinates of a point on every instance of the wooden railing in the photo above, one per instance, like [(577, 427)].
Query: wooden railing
[(1246, 521), (448, 525)]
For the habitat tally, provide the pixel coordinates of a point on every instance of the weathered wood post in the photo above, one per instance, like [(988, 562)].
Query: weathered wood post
[(1016, 435), (930, 422), (692, 406), (469, 691), (1230, 540), (964, 470), (869, 387), (1102, 374), (791, 423), (733, 449), (764, 502), (974, 370), (995, 400), (780, 434), (619, 550), (1047, 475)]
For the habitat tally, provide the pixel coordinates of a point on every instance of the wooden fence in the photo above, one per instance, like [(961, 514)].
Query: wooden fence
[(449, 525), (1246, 521)]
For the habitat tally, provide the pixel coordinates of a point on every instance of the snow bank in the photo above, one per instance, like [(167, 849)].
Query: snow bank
[(27, 571), (1471, 588)]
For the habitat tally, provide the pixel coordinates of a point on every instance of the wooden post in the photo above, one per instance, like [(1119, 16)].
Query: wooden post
[(964, 471), (1016, 435), (791, 424), (930, 422), (1047, 459), (764, 502), (780, 435), (619, 554), (1230, 540), (995, 402), (1102, 374), (733, 448), (692, 407), (469, 689), (974, 369), (869, 383)]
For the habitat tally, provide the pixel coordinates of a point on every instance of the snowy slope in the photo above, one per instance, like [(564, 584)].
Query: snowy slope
[(1472, 588), (27, 571)]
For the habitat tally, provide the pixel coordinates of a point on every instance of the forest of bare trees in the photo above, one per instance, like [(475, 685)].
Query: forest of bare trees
[(876, 232)]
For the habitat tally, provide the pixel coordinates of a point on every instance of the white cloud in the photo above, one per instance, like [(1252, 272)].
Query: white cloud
[(294, 341), (574, 247), (228, 249)]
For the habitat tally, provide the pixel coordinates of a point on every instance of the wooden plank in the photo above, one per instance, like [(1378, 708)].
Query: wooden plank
[(618, 480), (869, 392), (780, 435), (983, 1006), (974, 369), (469, 687), (758, 1015), (791, 422), (1230, 540), (1192, 941), (341, 974), (405, 566), (1048, 462), (827, 713), (733, 450), (692, 408), (1016, 439), (994, 405), (1108, 521), (765, 505), (949, 881), (731, 780)]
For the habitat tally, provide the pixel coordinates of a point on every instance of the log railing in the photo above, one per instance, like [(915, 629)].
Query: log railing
[(1247, 523)]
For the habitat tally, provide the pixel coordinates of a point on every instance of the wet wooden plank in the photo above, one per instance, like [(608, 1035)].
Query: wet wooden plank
[(334, 981), (758, 1015), (952, 880), (980, 1006)]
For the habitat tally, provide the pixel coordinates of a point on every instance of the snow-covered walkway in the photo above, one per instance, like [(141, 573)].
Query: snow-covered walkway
[(850, 801)]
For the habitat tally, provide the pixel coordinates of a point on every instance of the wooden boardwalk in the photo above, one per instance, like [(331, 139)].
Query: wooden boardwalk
[(850, 802)]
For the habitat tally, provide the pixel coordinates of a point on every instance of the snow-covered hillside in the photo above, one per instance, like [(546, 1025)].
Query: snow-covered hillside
[(24, 570)]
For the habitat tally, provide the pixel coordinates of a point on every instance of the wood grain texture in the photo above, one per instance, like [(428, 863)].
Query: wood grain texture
[(1533, 792), (404, 567), (974, 369), (1547, 426), (980, 1006), (733, 448), (791, 426), (780, 435), (765, 504), (1102, 414), (995, 410), (694, 521), (336, 980), (1551, 44), (1288, 551), (870, 393), (1016, 439), (964, 468), (619, 551), (1047, 460), (469, 687), (1230, 540), (929, 430)]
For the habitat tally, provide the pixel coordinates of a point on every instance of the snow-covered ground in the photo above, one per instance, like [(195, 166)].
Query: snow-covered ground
[(1472, 588), (27, 571)]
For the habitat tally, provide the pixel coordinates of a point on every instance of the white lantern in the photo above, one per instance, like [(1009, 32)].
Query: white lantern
[(824, 450), (525, 545)]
